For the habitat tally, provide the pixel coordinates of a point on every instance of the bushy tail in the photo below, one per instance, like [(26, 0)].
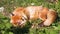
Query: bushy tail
[(51, 16)]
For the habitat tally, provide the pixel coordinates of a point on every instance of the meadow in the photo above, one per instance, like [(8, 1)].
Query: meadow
[(9, 5)]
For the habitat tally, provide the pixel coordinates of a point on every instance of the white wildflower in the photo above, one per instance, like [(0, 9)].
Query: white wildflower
[(1, 9), (32, 3)]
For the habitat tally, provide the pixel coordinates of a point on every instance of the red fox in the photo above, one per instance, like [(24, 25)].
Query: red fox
[(20, 15)]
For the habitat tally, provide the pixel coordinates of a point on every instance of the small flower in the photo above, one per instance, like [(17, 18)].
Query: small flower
[(1, 9), (32, 3), (12, 1)]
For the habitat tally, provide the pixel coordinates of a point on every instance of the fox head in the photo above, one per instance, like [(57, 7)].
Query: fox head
[(18, 17)]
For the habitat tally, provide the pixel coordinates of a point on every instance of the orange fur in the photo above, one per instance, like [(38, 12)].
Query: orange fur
[(33, 12)]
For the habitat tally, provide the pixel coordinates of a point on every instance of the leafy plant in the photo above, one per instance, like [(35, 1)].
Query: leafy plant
[(9, 5)]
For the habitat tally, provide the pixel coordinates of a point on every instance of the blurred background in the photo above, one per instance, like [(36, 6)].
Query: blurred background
[(9, 5)]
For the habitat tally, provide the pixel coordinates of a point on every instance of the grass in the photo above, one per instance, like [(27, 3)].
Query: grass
[(10, 5)]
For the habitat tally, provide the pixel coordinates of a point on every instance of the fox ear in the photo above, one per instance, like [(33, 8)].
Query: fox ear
[(12, 14)]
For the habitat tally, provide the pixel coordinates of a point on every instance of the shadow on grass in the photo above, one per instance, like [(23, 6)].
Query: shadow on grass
[(23, 30), (58, 18), (14, 30), (57, 21)]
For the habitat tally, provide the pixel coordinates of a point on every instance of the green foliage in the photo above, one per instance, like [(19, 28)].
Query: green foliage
[(10, 5)]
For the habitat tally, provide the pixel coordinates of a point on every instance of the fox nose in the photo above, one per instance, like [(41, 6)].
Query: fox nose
[(16, 22), (13, 22)]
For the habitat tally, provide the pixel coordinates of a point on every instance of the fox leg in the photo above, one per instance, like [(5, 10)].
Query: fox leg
[(51, 16), (43, 17)]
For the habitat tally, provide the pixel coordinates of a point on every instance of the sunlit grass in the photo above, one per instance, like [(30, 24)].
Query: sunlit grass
[(10, 5)]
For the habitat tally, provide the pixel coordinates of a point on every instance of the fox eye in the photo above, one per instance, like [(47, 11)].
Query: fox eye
[(12, 14)]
